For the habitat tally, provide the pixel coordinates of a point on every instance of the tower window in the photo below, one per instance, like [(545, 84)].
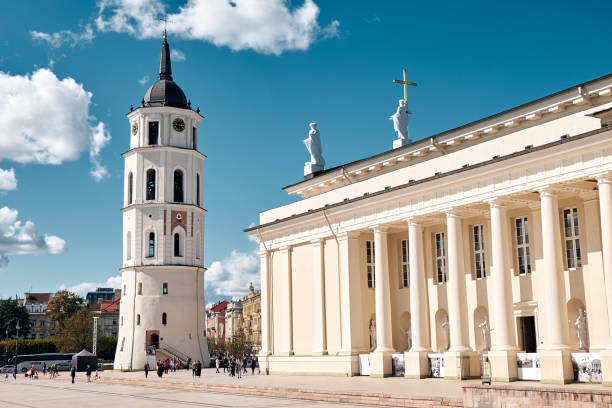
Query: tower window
[(122, 320), (177, 244), (130, 188), (178, 186), (194, 135), (138, 320), (164, 318), (150, 184), (165, 288), (153, 132), (129, 245), (197, 189), (151, 245), (140, 288)]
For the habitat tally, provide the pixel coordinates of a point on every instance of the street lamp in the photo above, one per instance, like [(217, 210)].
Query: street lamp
[(17, 338), (6, 344)]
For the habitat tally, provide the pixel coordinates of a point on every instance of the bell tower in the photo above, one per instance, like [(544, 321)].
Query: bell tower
[(162, 298)]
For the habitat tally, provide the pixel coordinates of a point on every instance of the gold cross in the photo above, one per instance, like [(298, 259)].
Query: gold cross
[(405, 83), (166, 21)]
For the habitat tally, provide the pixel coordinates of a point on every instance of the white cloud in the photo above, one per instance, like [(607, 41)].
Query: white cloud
[(265, 26), (99, 139), (59, 38), (17, 238), (46, 120), (232, 275), (82, 288), (177, 55), (8, 181), (143, 80)]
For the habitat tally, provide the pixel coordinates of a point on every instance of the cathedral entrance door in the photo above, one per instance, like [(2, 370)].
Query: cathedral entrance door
[(152, 339), (528, 331)]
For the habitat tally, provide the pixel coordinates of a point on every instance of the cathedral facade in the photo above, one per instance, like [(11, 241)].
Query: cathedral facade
[(162, 300), (483, 248)]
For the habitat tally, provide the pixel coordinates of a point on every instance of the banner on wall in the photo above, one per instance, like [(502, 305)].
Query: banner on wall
[(398, 365), (364, 364), (587, 367), (528, 366), (436, 365)]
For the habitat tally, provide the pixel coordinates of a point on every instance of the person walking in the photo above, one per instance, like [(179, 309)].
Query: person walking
[(233, 368), (217, 364), (193, 369), (146, 369), (15, 372), (245, 364), (160, 369), (199, 369), (239, 367), (253, 365), (44, 369), (88, 373), (73, 373)]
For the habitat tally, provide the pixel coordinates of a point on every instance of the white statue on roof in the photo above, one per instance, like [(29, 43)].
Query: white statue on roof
[(313, 144), (400, 122)]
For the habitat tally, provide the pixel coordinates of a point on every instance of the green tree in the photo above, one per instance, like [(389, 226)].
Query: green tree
[(212, 344), (76, 332), (64, 305), (106, 347), (237, 345), (10, 314)]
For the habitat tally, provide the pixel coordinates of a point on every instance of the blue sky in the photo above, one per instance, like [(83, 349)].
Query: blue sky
[(259, 75)]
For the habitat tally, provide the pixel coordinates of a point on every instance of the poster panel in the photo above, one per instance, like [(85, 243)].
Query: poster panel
[(436, 365), (398, 365), (528, 366), (587, 367), (364, 364)]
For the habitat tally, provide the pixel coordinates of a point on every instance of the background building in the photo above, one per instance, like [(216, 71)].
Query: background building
[(215, 322), (36, 304), (233, 320), (251, 316), (102, 293)]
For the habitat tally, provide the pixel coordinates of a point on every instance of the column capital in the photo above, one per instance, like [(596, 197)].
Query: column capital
[(343, 236), (548, 191), (453, 213), (415, 221), (497, 202), (378, 229), (603, 178)]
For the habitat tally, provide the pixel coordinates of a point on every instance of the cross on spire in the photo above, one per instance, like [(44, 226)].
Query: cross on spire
[(166, 21), (405, 83)]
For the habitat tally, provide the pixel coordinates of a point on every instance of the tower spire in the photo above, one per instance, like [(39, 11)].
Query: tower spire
[(165, 67)]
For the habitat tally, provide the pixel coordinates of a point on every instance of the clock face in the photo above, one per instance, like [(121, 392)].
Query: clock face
[(178, 125), (134, 128)]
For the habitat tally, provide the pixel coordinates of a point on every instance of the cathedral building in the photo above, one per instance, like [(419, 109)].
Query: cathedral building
[(162, 299), (487, 247)]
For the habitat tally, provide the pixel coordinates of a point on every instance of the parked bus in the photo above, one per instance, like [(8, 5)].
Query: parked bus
[(25, 361)]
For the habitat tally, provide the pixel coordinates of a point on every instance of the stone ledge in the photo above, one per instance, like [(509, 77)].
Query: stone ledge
[(377, 399)]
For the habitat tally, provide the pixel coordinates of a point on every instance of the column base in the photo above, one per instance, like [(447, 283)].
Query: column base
[(504, 367), (606, 366), (381, 364), (556, 366), (284, 353), (416, 364), (319, 353), (461, 365)]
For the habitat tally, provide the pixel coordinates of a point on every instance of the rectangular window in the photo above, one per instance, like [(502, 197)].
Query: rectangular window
[(523, 255), (153, 132), (440, 258), (370, 263), (572, 238), (195, 138), (138, 320), (122, 343), (165, 288), (404, 264), (479, 252), (140, 288)]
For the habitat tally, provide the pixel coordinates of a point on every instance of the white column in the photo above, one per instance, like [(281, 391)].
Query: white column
[(604, 184), (318, 300), (290, 300), (266, 304), (504, 336), (382, 292), (457, 310), (418, 289), (553, 282)]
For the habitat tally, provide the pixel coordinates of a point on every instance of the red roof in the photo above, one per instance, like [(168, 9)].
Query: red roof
[(220, 306), (109, 306), (37, 297)]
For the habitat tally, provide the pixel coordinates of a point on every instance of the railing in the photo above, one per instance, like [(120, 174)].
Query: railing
[(174, 352)]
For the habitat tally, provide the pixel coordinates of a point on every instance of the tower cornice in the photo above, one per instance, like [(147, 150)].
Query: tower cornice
[(145, 268), (160, 148), (164, 109), (154, 204)]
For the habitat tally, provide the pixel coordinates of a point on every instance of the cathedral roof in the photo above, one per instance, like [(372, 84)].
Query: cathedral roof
[(165, 92)]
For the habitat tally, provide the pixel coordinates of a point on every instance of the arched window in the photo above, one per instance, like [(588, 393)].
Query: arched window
[(164, 318), (165, 288), (130, 188), (150, 184), (177, 244), (151, 244), (195, 138), (197, 189), (129, 245), (178, 186)]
